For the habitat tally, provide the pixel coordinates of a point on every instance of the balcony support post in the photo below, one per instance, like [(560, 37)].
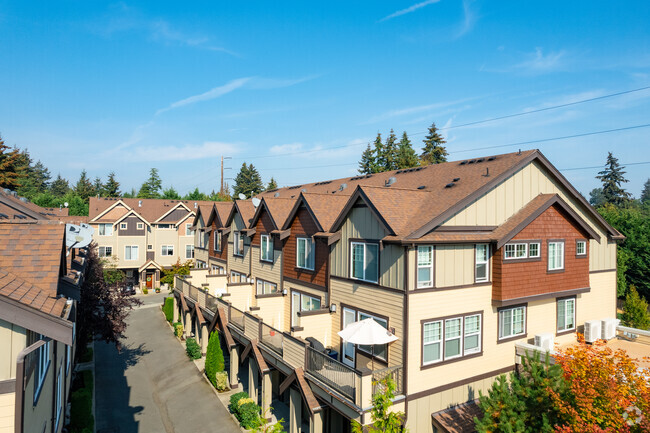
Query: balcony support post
[(187, 326), (316, 422), (234, 367), (204, 338), (295, 410), (266, 393), (253, 379), (176, 307)]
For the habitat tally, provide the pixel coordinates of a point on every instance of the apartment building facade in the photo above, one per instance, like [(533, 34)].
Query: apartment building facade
[(463, 261)]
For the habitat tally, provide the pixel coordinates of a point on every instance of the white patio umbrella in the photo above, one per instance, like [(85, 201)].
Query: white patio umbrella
[(367, 332)]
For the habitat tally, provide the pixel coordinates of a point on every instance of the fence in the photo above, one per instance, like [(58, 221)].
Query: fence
[(211, 303), (396, 373), (632, 334), (272, 338), (194, 293), (332, 372), (237, 317)]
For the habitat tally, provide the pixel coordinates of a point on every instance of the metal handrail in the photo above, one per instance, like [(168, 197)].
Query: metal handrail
[(332, 372), (395, 372)]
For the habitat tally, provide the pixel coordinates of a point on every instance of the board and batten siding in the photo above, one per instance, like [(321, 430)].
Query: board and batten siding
[(507, 198), (237, 263), (13, 338), (454, 265), (360, 223), (7, 412), (271, 272)]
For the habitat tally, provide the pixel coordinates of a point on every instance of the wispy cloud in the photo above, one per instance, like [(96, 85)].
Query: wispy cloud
[(185, 152), (469, 19), (213, 93), (538, 62), (415, 110), (285, 148), (408, 10)]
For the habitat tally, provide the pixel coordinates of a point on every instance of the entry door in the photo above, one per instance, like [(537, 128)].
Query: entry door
[(295, 307), (349, 316), (149, 281)]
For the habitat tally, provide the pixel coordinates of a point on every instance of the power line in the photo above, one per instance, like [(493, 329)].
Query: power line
[(623, 165)]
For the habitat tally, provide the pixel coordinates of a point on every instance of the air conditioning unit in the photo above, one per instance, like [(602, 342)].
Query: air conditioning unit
[(608, 328), (545, 341), (593, 330)]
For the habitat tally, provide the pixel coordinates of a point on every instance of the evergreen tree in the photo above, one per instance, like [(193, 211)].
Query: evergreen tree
[(151, 188), (433, 151), (272, 184), (248, 182), (645, 194), (596, 197), (217, 196), (98, 187), (59, 187), (10, 175), (391, 152), (112, 187), (195, 195), (36, 180), (612, 178), (84, 188), (130, 194), (635, 311), (171, 194), (406, 156), (367, 165), (380, 154), (214, 360)]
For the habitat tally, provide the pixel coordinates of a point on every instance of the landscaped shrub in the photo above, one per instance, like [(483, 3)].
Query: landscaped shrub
[(192, 348), (221, 381), (168, 309), (145, 291), (234, 400), (214, 361), (81, 415), (248, 415), (178, 329), (86, 356)]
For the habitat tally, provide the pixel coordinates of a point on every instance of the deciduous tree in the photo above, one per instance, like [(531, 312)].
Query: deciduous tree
[(433, 151), (177, 269), (384, 420), (171, 194), (10, 175)]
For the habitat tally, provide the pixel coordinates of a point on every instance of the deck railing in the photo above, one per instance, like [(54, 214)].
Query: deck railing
[(332, 372), (194, 293), (211, 302), (396, 373), (237, 317), (632, 334), (272, 338)]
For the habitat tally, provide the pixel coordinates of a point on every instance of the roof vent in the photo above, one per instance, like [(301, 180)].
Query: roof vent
[(463, 162), (304, 190), (391, 180), (480, 160), (421, 186), (450, 185), (139, 203), (343, 186), (471, 161), (20, 217), (398, 171), (456, 179), (492, 158), (420, 168), (195, 206), (277, 194)]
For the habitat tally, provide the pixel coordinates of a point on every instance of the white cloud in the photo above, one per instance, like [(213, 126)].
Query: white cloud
[(285, 148), (414, 110), (210, 94), (539, 62), (408, 10), (469, 19), (185, 152)]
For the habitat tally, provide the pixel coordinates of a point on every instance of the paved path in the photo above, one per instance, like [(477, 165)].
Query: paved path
[(152, 387)]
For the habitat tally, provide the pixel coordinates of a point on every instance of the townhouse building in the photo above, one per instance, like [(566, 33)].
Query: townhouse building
[(144, 236), (467, 262)]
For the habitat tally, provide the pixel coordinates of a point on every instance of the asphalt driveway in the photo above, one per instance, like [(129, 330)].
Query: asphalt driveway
[(151, 386)]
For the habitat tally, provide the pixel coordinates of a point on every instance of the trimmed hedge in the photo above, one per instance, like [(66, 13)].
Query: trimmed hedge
[(168, 309), (214, 361), (81, 410), (192, 348), (234, 400), (178, 329), (245, 410)]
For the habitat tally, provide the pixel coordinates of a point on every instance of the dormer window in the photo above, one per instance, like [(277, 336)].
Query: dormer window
[(238, 244)]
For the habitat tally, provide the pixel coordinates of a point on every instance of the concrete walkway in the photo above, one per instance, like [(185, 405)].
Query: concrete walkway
[(152, 386)]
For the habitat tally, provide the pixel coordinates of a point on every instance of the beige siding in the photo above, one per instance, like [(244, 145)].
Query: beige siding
[(454, 265), (372, 300), (512, 194), (270, 272), (241, 297), (235, 263), (602, 298), (14, 338), (392, 265), (304, 289), (7, 407), (122, 242), (318, 326), (272, 311), (293, 353)]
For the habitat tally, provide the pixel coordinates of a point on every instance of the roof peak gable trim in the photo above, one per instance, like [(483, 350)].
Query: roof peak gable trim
[(214, 213), (114, 205), (180, 203), (258, 213), (359, 194), (294, 212), (132, 212), (231, 216)]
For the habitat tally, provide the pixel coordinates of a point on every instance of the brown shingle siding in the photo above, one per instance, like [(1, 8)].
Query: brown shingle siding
[(303, 225)]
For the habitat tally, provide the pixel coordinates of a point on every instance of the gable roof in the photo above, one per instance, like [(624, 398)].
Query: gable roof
[(201, 213), (220, 212), (277, 208), (14, 206), (150, 209), (323, 208), (178, 205), (245, 208), (14, 287)]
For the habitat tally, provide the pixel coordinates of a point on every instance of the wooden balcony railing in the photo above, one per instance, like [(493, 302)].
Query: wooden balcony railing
[(332, 372), (396, 373)]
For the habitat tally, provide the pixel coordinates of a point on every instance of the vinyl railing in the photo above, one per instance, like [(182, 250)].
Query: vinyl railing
[(272, 338), (332, 372), (237, 317), (396, 373), (194, 293), (632, 334)]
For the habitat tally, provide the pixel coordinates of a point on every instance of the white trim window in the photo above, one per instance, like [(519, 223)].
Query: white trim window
[(534, 250), (105, 251), (105, 229), (131, 252), (266, 288), (164, 226), (238, 244), (305, 253), (555, 256), (188, 229), (453, 338), (482, 266), (42, 365), (472, 334), (124, 226), (139, 226), (512, 322), (237, 277), (432, 342), (167, 250), (266, 248), (566, 314), (364, 261), (515, 251), (581, 248), (217, 240), (189, 251), (425, 266)]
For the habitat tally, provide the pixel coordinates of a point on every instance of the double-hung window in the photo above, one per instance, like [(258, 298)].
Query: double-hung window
[(106, 229), (238, 244), (555, 256), (189, 251), (131, 252), (512, 322), (305, 253), (581, 248), (364, 261), (217, 241), (105, 251), (451, 338), (188, 229), (167, 250), (266, 288), (432, 342), (566, 314), (425, 266), (482, 266), (266, 248)]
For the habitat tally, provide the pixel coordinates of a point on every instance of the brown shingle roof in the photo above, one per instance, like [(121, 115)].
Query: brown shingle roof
[(223, 210), (247, 210), (278, 208), (151, 209), (458, 419), (325, 207)]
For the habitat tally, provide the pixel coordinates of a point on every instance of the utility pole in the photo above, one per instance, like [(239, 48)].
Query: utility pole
[(222, 168)]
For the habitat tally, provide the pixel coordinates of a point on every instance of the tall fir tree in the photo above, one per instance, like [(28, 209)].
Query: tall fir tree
[(98, 187), (390, 152), (645, 194), (10, 175), (612, 178), (152, 186), (195, 195), (596, 197), (368, 163), (272, 184), (380, 154), (170, 194), (406, 156), (36, 180), (59, 187), (84, 188), (247, 182), (433, 151), (112, 186)]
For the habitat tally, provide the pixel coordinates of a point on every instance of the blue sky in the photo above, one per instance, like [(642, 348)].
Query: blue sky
[(299, 88)]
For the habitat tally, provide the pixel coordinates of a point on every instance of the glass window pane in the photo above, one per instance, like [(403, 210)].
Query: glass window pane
[(452, 328), (301, 253), (481, 271), (518, 321), (372, 262), (471, 343), (425, 256), (452, 348), (431, 352), (472, 324), (424, 277), (357, 261)]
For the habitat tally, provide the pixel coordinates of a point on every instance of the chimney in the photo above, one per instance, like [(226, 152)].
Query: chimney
[(139, 203)]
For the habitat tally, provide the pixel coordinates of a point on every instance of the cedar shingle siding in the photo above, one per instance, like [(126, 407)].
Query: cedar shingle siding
[(304, 226)]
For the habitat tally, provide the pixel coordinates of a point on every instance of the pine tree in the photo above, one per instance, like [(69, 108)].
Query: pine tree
[(367, 164), (151, 188), (612, 178), (84, 188), (406, 156), (272, 184), (248, 182), (433, 151), (59, 187), (37, 177), (380, 154), (390, 152), (195, 195), (98, 187), (635, 311), (596, 197), (10, 175), (214, 360), (645, 194), (131, 194), (112, 187), (171, 194)]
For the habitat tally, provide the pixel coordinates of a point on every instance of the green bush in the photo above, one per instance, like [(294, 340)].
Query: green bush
[(178, 329), (192, 348), (248, 415), (214, 361), (145, 291), (168, 309), (87, 355), (81, 415), (234, 400), (221, 381)]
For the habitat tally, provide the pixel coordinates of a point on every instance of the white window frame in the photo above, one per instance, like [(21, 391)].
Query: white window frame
[(130, 248), (266, 287), (512, 251), (566, 301), (500, 321), (433, 342), (485, 262), (370, 349), (266, 248), (189, 251), (237, 244), (124, 226), (105, 229), (423, 265), (217, 241), (188, 229), (308, 256), (43, 365), (166, 250), (105, 251), (584, 247), (365, 264), (553, 264), (459, 337), (477, 349), (539, 250), (139, 226)]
